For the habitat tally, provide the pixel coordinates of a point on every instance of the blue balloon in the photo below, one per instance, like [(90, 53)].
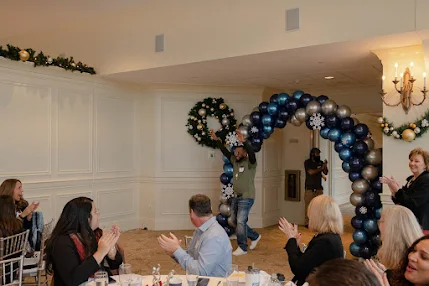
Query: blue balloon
[(332, 121), (360, 148), (346, 167), (355, 249), (347, 123), (372, 199), (370, 225), (222, 220), (266, 135), (225, 179), (338, 146), (255, 117), (348, 139), (376, 186), (268, 129), (360, 236), (345, 155), (225, 159), (256, 141), (366, 251), (292, 105), (263, 107), (324, 132), (256, 148), (228, 169), (334, 135), (297, 94), (283, 114), (356, 164), (378, 213), (229, 230), (255, 132), (282, 98), (267, 120), (353, 176), (273, 108), (357, 222), (305, 99), (376, 240), (361, 130), (273, 98), (322, 98), (280, 123)]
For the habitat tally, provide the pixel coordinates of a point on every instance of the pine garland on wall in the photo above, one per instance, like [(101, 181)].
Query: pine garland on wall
[(408, 131)]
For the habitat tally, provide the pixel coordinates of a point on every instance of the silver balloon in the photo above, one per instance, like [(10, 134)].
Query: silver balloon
[(369, 172), (223, 200), (225, 210), (355, 121), (225, 122), (329, 107), (244, 131), (313, 107), (373, 157), (356, 199), (295, 121), (344, 111), (301, 115), (369, 142), (246, 120), (360, 186), (202, 112), (231, 222), (255, 109)]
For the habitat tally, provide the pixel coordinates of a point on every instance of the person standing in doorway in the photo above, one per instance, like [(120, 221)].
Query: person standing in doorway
[(244, 163), (315, 170)]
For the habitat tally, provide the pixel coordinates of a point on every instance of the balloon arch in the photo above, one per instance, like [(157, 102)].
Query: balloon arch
[(352, 142)]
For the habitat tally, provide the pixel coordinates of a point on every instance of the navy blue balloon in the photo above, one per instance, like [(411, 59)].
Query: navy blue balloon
[(228, 169), (307, 123), (362, 211), (273, 108), (229, 231), (274, 98), (255, 133), (297, 94), (347, 123), (345, 155), (355, 249), (305, 99), (360, 148), (357, 222), (266, 135), (256, 148), (267, 120), (280, 123), (356, 164), (256, 141), (282, 98), (255, 117), (292, 105), (222, 220), (263, 107), (375, 240), (332, 121), (370, 225), (283, 114), (324, 132), (268, 129), (378, 213), (338, 146), (322, 98), (360, 236), (366, 252), (224, 179), (225, 159), (348, 139), (376, 186), (353, 176), (334, 135), (361, 130), (346, 167), (372, 199)]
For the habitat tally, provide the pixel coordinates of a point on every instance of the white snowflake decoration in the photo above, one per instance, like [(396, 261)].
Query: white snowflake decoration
[(231, 139), (317, 121), (363, 210), (425, 123), (254, 129), (228, 191)]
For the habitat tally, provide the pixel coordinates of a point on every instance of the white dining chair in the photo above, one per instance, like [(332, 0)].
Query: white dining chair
[(11, 271), (13, 245)]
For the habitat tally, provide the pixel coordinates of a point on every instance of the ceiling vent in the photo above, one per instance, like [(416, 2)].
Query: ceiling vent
[(292, 19)]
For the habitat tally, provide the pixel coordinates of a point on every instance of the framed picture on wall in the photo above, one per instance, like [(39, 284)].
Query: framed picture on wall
[(292, 185)]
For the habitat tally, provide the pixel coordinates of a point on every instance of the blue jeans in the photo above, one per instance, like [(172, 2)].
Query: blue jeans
[(241, 207)]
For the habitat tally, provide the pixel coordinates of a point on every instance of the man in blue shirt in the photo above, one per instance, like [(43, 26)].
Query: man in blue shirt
[(210, 250)]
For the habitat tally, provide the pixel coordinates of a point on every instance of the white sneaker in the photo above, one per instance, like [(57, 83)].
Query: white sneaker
[(233, 237), (239, 252), (254, 243)]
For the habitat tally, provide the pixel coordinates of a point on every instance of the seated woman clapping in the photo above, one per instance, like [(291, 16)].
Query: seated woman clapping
[(325, 219), (73, 254)]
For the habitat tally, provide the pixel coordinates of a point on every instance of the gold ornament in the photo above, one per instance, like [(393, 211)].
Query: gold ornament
[(382, 124), (222, 106), (24, 55), (200, 127), (412, 125), (217, 117), (386, 125), (408, 135)]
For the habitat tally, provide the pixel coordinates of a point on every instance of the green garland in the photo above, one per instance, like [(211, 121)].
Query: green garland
[(41, 59), (419, 127), (197, 121)]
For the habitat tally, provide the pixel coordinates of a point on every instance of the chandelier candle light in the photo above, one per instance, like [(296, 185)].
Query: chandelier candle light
[(406, 88)]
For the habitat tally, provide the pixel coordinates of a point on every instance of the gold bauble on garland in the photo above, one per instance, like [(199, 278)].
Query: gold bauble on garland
[(24, 55), (222, 106), (408, 135), (200, 127)]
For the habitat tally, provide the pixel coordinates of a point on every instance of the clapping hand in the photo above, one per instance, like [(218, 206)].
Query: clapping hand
[(391, 183), (291, 230), (30, 209), (107, 242), (169, 244), (379, 271), (213, 135)]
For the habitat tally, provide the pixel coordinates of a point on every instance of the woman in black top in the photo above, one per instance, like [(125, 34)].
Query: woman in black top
[(325, 219), (72, 252), (415, 194)]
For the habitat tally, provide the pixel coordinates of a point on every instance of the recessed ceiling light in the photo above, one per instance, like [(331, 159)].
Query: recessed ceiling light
[(329, 77)]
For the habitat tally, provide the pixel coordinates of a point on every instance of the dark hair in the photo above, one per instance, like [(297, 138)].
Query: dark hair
[(9, 223), (7, 188), (74, 219), (341, 271), (201, 205), (313, 151), (398, 277)]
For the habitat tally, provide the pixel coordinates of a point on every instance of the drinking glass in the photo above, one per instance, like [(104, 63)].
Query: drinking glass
[(192, 275), (232, 275), (101, 278), (125, 274)]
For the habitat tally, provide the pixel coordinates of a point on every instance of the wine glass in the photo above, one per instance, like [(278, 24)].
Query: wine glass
[(192, 275), (125, 274), (101, 278)]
